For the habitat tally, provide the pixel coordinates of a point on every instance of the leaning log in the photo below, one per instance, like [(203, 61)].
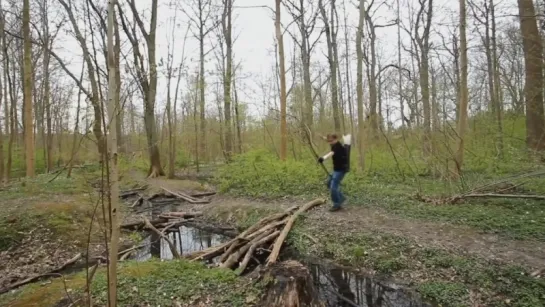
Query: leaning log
[(280, 240), (290, 285)]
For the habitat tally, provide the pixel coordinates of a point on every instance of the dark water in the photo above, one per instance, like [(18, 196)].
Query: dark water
[(186, 239), (341, 287)]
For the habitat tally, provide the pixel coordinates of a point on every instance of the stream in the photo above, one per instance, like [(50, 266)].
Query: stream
[(337, 286)]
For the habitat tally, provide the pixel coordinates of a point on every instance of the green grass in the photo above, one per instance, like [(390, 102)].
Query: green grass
[(261, 174), (152, 282)]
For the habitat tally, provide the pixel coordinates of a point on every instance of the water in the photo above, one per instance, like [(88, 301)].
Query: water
[(186, 239), (342, 287)]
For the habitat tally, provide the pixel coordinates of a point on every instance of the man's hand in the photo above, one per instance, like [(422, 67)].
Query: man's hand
[(321, 160)]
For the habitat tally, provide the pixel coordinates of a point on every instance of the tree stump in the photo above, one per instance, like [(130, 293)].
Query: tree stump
[(291, 286)]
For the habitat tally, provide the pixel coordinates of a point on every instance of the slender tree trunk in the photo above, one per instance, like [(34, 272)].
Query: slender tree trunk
[(533, 91), (497, 88), (283, 115), (112, 155), (359, 83), (27, 93), (120, 108), (399, 76), (76, 128), (237, 118), (227, 30), (1, 133), (463, 104), (202, 104), (170, 171)]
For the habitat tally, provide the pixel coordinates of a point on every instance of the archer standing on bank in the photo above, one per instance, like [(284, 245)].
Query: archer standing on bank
[(341, 166)]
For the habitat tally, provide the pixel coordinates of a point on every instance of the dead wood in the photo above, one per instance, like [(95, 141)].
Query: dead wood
[(203, 194), (186, 197), (128, 193), (233, 258), (253, 247), (138, 202), (280, 240), (36, 277), (170, 244), (140, 224), (177, 215), (290, 285), (493, 195)]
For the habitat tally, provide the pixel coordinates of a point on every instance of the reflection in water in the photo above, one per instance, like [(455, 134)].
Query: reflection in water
[(186, 240), (342, 288)]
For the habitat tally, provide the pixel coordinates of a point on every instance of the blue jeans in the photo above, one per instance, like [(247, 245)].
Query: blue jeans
[(335, 188)]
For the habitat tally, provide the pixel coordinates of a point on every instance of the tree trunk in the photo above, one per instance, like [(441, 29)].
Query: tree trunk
[(359, 83), (119, 107), (283, 122), (237, 119), (329, 29), (498, 89), (76, 128), (227, 29), (533, 60), (27, 93), (202, 104), (1, 133), (463, 104), (112, 155)]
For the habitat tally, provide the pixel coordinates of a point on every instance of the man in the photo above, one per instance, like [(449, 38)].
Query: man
[(341, 166)]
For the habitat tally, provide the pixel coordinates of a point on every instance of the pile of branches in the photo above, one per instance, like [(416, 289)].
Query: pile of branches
[(268, 235)]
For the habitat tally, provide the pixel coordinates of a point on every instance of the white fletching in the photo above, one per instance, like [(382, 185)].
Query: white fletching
[(347, 139)]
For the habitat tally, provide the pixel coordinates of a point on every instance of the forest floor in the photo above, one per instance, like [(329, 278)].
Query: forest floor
[(444, 255)]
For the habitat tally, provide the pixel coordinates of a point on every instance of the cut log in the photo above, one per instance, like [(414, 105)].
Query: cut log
[(253, 247), (170, 244), (138, 202), (290, 285), (36, 277), (233, 258), (280, 240)]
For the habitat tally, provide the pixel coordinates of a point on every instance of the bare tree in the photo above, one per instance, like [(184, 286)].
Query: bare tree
[(462, 120), (148, 82), (112, 159), (359, 82), (283, 115), (227, 26), (28, 119), (203, 21), (533, 89)]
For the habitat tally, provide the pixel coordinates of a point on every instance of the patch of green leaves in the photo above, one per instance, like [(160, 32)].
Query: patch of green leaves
[(162, 283)]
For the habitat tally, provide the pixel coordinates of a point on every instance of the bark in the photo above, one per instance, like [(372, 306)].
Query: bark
[(498, 89), (331, 39), (113, 106), (148, 85), (463, 104), (373, 96), (28, 120), (359, 83), (119, 107), (76, 128), (1, 133), (46, 111), (227, 32), (237, 119), (283, 122), (533, 60)]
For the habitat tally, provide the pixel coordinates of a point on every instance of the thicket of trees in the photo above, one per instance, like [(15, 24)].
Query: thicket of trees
[(424, 72)]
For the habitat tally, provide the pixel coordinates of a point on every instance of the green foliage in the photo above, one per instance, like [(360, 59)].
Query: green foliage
[(161, 283), (445, 293)]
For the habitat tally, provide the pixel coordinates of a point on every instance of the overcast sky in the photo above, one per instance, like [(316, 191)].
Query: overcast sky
[(255, 37)]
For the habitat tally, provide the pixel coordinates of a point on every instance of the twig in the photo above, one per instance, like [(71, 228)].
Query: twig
[(138, 202)]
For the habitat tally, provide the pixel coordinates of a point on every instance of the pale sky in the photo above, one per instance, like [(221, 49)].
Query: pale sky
[(254, 46)]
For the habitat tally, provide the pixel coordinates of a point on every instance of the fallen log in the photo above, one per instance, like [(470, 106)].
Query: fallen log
[(186, 197), (253, 247), (203, 194), (136, 225), (290, 285), (128, 193), (177, 215), (172, 247), (138, 202), (280, 240), (233, 258), (493, 195), (36, 277)]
